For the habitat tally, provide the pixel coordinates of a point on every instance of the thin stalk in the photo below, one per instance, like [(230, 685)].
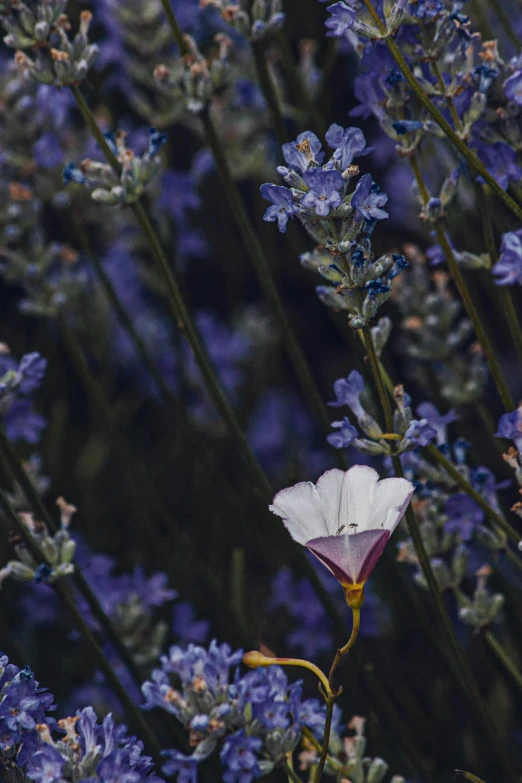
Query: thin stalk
[(268, 89), (257, 255), (468, 776), (290, 773), (41, 513), (511, 666), (465, 675), (297, 85), (456, 140), (123, 316), (134, 473), (469, 305), (264, 273), (180, 312), (333, 692), (466, 487), (61, 589)]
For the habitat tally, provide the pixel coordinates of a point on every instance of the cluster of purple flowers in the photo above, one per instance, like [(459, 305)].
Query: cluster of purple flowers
[(253, 720), (87, 751), (340, 220)]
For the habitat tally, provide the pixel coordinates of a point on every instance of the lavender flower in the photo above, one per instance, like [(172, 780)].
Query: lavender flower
[(510, 427), (282, 205), (368, 199), (324, 193), (508, 269), (420, 432), (16, 382)]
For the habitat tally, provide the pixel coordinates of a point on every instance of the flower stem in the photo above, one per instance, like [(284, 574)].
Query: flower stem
[(61, 589), (378, 379), (290, 773), (462, 670), (262, 268), (466, 487), (266, 83), (511, 666), (469, 305), (333, 693), (468, 776), (456, 140), (121, 313), (41, 513)]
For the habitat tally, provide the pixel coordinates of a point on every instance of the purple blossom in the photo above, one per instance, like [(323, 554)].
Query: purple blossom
[(239, 757), (185, 767), (500, 161), (282, 205), (348, 392), (508, 269), (47, 765), (513, 88), (347, 143), (420, 432), (297, 159), (342, 19), (510, 427), (463, 516), (324, 190), (22, 423), (426, 10), (345, 436), (185, 625), (32, 370), (368, 200), (439, 421)]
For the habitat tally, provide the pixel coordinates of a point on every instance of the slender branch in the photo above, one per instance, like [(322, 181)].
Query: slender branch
[(122, 314), (291, 774), (268, 89), (511, 666), (61, 589), (456, 140), (378, 378), (333, 693), (468, 776), (469, 305), (462, 669), (264, 273)]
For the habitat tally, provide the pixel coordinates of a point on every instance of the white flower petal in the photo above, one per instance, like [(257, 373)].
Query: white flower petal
[(390, 500), (329, 488), (300, 509), (356, 498)]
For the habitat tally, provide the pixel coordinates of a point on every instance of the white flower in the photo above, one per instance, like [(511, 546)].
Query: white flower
[(345, 519)]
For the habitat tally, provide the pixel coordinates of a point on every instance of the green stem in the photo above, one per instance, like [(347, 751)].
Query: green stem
[(467, 300), (268, 89), (511, 666), (333, 693), (290, 773), (181, 314), (456, 140), (375, 368), (464, 673), (468, 776), (264, 273), (122, 314), (466, 487), (41, 513), (61, 589)]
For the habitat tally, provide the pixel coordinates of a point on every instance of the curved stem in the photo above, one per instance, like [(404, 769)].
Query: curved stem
[(290, 773), (61, 589), (333, 693), (268, 89), (467, 300), (456, 140)]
